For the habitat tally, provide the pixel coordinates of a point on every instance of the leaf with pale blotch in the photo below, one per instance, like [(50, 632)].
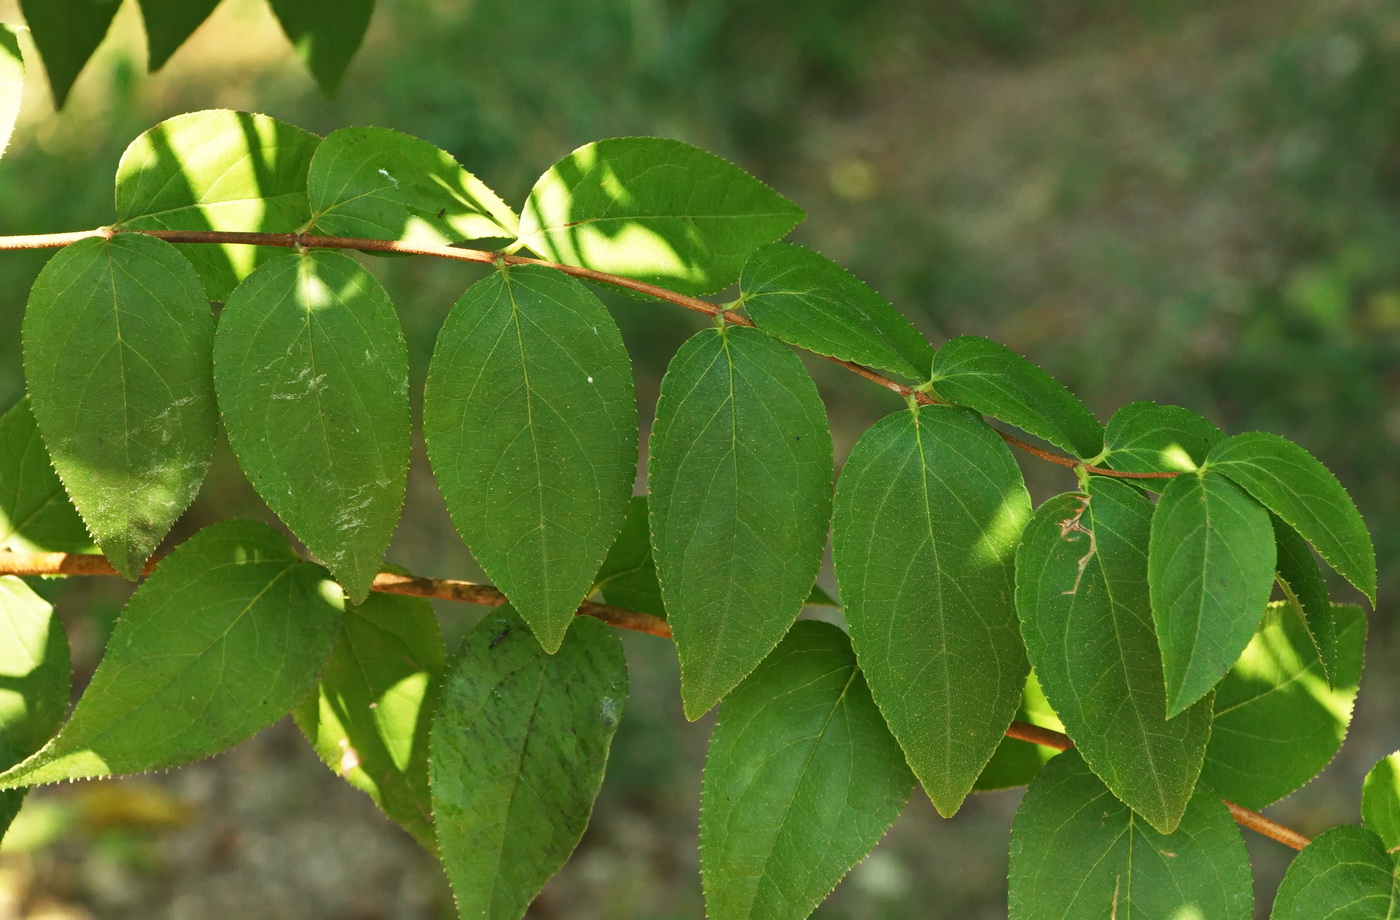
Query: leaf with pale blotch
[(217, 170), (168, 23), (1277, 722), (740, 478), (1017, 762), (35, 513), (312, 375), (929, 509), (518, 747), (1301, 579), (325, 33), (369, 717), (223, 639), (1380, 800), (1346, 873), (1143, 437), (375, 183), (11, 83), (628, 576), (118, 340), (66, 32), (809, 301), (1077, 853), (991, 378), (1210, 566), (1081, 592), (1292, 484), (531, 425), (802, 779), (656, 210)]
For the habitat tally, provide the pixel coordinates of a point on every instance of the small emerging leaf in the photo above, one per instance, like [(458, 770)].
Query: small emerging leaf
[(1380, 800), (1143, 437), (168, 23), (66, 32), (1344, 874), (11, 83), (35, 514), (325, 33)]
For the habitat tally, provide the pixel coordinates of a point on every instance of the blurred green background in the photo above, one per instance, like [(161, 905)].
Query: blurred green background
[(1175, 200)]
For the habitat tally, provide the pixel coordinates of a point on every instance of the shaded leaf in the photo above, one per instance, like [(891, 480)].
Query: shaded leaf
[(1017, 762), (217, 170), (117, 355), (1143, 437), (1292, 484), (1081, 591), (656, 210), (531, 425), (168, 23), (370, 714), (223, 639), (67, 32), (1277, 723), (740, 477), (11, 83), (312, 375), (809, 301), (1380, 800), (374, 183), (628, 576), (1077, 853), (929, 509), (35, 514), (1344, 874), (991, 378), (325, 33), (1301, 579), (1211, 569), (518, 747), (802, 779)]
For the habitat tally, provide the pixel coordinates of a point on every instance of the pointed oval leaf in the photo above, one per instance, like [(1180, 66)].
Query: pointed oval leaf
[(1077, 853), (991, 378), (369, 717), (628, 575), (379, 184), (118, 340), (1081, 591), (531, 425), (929, 509), (1291, 483), (1301, 579), (809, 301), (1277, 723), (1380, 800), (35, 513), (66, 32), (802, 779), (218, 170), (518, 747), (740, 477), (1143, 437), (1344, 874), (656, 210), (11, 83), (1017, 762), (312, 375), (1211, 568), (223, 639), (325, 33), (168, 23)]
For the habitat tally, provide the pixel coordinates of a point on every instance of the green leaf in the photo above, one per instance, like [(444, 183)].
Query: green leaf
[(312, 375), (168, 24), (628, 575), (531, 425), (740, 478), (67, 32), (1211, 568), (374, 183), (325, 33), (223, 639), (929, 509), (809, 301), (1143, 437), (1077, 853), (1344, 874), (656, 210), (218, 170), (35, 514), (518, 747), (1081, 591), (991, 378), (11, 83), (1017, 762), (1291, 483), (117, 354), (1277, 723), (1301, 579), (1380, 800), (370, 714), (801, 781)]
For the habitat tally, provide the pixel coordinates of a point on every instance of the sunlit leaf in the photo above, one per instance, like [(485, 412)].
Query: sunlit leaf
[(35, 514), (1380, 800), (1143, 437), (11, 83), (168, 23), (325, 33), (1344, 874), (66, 32), (1017, 762)]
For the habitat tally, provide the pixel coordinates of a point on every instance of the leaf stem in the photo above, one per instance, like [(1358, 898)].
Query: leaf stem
[(293, 240)]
